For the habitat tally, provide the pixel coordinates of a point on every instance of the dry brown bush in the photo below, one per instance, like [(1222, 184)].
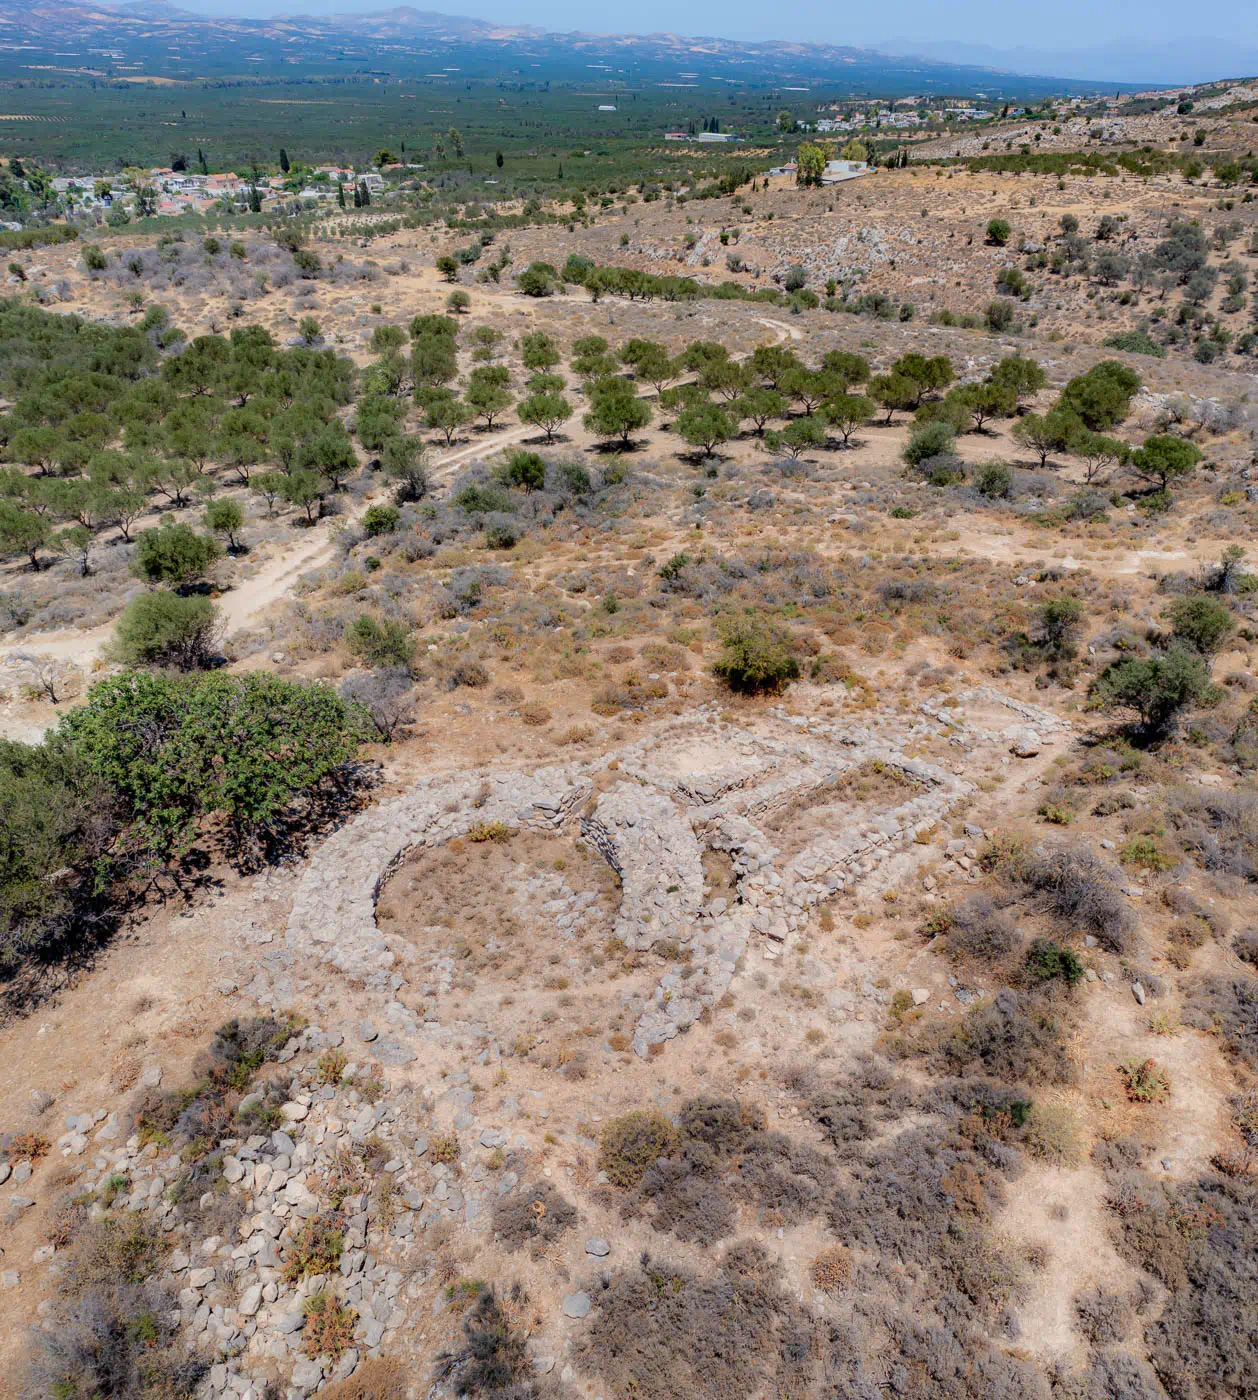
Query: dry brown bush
[(535, 1217), (374, 1378), (832, 1269), (744, 1334)]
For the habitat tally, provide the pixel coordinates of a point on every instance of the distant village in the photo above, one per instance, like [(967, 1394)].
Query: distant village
[(120, 196), (169, 192)]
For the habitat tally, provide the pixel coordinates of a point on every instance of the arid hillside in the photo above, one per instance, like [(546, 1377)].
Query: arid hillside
[(571, 836)]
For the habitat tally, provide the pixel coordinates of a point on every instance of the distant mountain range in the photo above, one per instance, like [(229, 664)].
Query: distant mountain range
[(1144, 62), (44, 38)]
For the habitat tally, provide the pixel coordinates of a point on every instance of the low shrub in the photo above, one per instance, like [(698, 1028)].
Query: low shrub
[(387, 643), (634, 1142), (1103, 1316), (536, 1217), (1145, 1081), (1017, 1039), (1051, 1132), (1084, 890), (374, 1378), (1219, 829), (493, 1363), (385, 696), (165, 629), (756, 657), (108, 1330), (1226, 1007), (978, 929), (744, 1333), (314, 1249), (1200, 1239), (329, 1326), (831, 1270)]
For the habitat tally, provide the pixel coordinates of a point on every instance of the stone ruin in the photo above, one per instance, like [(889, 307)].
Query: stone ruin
[(652, 809)]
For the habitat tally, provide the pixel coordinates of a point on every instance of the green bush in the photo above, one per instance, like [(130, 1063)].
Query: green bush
[(999, 232), (1101, 398), (56, 817), (524, 469), (165, 629), (634, 1143), (481, 500), (174, 750), (174, 554), (381, 520), (995, 481), (756, 656), (1157, 689), (1201, 622), (928, 441), (380, 644), (537, 280), (1046, 960), (1138, 342)]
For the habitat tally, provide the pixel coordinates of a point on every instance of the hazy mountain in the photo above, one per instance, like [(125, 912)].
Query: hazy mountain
[(1164, 63), (110, 40)]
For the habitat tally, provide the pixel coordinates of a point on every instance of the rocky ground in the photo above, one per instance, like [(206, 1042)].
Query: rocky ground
[(594, 882)]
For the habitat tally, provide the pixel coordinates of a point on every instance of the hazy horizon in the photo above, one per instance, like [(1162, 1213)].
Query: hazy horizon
[(1077, 24)]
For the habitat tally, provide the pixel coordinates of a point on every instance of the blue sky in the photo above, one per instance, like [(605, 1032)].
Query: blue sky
[(1077, 24), (1158, 42)]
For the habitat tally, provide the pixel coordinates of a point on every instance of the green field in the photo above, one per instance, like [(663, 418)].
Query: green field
[(80, 125)]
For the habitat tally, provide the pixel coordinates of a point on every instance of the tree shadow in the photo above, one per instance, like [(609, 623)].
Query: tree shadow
[(617, 447)]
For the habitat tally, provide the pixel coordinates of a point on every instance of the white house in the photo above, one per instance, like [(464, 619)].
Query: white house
[(837, 171)]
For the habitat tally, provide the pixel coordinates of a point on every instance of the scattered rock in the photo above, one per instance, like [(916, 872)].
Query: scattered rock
[(576, 1305), (1024, 742), (393, 1053)]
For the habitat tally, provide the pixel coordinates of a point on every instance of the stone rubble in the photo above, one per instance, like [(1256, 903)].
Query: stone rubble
[(440, 1155)]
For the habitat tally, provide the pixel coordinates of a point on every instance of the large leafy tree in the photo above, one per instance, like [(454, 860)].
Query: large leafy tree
[(1101, 398), (174, 554), (55, 816), (175, 751), (810, 163), (546, 411), (615, 410), (705, 426), (1047, 433), (1155, 689), (1163, 458)]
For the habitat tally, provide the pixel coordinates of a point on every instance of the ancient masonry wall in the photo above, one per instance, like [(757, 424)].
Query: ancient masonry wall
[(652, 825)]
